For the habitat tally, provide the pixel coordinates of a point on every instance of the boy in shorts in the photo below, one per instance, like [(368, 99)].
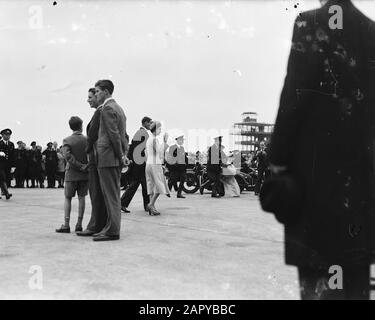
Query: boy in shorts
[(76, 176)]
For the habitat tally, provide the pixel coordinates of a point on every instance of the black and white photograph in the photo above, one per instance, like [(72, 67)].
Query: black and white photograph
[(187, 150)]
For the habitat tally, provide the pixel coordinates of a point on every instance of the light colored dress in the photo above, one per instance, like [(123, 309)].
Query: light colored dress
[(231, 187), (155, 179)]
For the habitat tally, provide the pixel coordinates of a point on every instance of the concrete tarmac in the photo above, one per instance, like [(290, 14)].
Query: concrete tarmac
[(198, 248)]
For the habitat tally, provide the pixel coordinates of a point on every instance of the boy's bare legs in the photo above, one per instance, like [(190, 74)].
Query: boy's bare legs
[(81, 211), (65, 228)]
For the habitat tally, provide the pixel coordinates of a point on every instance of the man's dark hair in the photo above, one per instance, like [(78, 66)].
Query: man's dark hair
[(105, 85), (92, 90), (145, 119), (75, 123)]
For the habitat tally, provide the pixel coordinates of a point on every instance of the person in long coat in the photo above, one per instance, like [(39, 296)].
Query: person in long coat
[(20, 158), (34, 165), (324, 137), (51, 161)]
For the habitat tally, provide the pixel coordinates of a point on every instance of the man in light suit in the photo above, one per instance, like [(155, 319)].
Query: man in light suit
[(98, 210), (110, 150)]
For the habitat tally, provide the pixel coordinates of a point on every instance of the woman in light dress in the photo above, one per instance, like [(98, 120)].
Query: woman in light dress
[(155, 179), (231, 187)]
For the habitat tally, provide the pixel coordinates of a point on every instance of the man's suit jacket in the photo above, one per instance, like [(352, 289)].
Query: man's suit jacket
[(136, 151), (8, 160), (324, 135), (112, 141), (177, 159), (74, 151), (92, 132)]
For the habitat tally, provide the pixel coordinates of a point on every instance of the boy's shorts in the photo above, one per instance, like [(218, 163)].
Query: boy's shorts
[(71, 187)]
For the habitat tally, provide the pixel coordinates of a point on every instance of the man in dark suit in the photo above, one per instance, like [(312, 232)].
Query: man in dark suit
[(136, 155), (214, 167), (76, 178), (323, 137), (8, 149), (110, 150), (262, 166), (51, 160), (6, 161), (99, 214), (20, 159), (34, 164), (177, 164)]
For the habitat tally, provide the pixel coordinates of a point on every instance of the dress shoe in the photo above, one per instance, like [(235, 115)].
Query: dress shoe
[(104, 237), (97, 234), (63, 229), (152, 211), (215, 195), (8, 196), (85, 233), (123, 209), (78, 228), (180, 196)]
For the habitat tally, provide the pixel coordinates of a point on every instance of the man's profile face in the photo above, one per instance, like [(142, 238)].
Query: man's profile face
[(6, 137), (147, 125), (100, 95), (91, 99)]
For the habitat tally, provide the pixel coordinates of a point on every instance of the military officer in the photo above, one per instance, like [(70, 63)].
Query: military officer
[(9, 155), (6, 161), (177, 163)]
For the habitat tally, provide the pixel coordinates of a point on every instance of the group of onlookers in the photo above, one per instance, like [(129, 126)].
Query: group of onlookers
[(30, 167)]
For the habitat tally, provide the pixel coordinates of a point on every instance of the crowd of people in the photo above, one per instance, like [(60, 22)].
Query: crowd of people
[(31, 166), (93, 163)]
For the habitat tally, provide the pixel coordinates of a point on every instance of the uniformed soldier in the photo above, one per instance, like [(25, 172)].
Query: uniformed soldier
[(20, 156), (9, 155), (51, 161), (214, 167), (177, 164), (6, 161)]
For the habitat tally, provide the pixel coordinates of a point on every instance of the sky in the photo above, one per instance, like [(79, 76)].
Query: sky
[(194, 65)]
